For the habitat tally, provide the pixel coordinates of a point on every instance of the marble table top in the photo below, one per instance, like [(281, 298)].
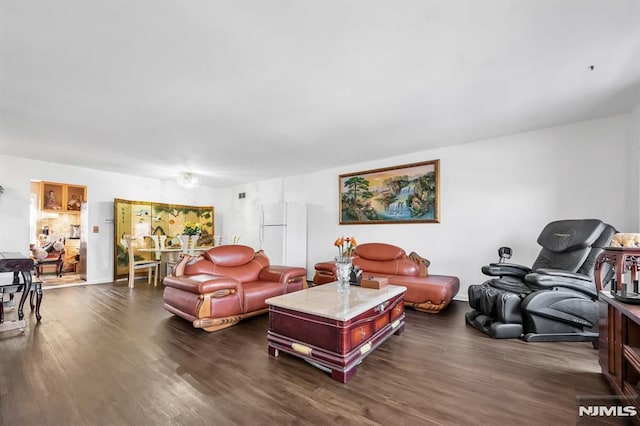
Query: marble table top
[(325, 301)]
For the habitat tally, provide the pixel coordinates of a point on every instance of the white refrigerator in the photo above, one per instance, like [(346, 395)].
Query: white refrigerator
[(283, 233)]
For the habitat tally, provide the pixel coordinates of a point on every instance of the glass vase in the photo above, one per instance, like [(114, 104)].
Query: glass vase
[(189, 243), (343, 273)]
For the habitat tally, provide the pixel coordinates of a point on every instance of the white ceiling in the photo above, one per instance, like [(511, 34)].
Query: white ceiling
[(245, 90)]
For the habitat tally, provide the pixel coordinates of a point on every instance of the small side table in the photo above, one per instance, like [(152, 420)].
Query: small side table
[(21, 266), (623, 260)]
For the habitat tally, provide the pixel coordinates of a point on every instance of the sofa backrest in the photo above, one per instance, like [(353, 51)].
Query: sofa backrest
[(229, 255), (379, 251), (384, 258), (234, 260)]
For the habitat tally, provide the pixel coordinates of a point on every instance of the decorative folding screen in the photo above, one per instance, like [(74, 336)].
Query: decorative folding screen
[(146, 218)]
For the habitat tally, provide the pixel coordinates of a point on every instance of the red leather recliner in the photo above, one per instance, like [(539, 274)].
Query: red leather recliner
[(226, 284), (427, 293)]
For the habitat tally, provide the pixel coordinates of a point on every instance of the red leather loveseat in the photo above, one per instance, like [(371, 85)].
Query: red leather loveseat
[(427, 293), (226, 284)]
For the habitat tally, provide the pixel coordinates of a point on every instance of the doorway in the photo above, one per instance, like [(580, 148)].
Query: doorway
[(58, 246)]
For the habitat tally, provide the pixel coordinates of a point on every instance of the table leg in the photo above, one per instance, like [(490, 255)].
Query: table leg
[(166, 258), (38, 300), (399, 330), (26, 276), (343, 376), (273, 351), (11, 302), (35, 298), (620, 258), (1, 306)]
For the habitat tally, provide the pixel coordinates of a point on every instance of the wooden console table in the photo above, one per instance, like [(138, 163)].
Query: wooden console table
[(619, 346), (21, 267)]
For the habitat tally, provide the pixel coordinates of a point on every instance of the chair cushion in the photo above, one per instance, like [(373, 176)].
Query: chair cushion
[(257, 292), (39, 253), (438, 289), (379, 251), (230, 255)]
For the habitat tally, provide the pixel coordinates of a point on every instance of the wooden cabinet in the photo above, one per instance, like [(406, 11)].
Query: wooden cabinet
[(74, 197), (61, 197), (52, 196), (619, 346), (301, 325)]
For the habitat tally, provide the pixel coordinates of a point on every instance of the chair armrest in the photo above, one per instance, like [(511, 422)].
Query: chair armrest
[(510, 284), (562, 273), (544, 279), (423, 264), (325, 273), (328, 266), (506, 269), (202, 283), (282, 274)]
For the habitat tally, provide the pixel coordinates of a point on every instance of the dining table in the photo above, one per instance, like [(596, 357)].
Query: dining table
[(168, 256)]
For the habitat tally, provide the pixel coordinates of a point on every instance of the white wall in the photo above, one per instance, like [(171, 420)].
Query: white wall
[(496, 192), (102, 188), (634, 162)]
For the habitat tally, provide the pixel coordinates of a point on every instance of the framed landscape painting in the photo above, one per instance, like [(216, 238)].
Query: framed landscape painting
[(402, 194)]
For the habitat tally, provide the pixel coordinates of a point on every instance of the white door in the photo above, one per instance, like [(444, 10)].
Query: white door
[(274, 214), (84, 238), (273, 243)]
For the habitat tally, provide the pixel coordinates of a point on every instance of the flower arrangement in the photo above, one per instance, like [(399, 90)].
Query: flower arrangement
[(345, 246), (191, 228)]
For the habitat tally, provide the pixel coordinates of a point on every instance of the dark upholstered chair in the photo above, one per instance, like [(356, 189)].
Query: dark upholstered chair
[(554, 300)]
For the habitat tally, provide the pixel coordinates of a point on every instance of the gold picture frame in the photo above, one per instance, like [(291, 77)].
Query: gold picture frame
[(409, 193)]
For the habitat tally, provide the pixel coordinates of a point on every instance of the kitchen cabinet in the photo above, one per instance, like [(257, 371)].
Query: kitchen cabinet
[(61, 197)]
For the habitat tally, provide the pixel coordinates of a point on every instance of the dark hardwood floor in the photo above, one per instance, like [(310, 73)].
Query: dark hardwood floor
[(107, 355)]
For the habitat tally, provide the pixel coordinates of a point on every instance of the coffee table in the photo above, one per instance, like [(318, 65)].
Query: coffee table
[(332, 331)]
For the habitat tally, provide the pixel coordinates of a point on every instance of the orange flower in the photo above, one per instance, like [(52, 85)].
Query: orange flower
[(345, 245)]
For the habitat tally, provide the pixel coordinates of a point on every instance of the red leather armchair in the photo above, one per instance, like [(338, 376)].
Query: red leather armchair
[(427, 293), (226, 284)]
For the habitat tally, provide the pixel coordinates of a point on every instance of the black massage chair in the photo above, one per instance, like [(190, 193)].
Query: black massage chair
[(554, 300)]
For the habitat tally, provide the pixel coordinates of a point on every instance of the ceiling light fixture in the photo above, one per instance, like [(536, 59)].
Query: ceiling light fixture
[(188, 180)]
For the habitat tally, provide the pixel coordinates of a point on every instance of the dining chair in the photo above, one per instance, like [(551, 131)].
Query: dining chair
[(51, 255), (152, 266), (158, 242)]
